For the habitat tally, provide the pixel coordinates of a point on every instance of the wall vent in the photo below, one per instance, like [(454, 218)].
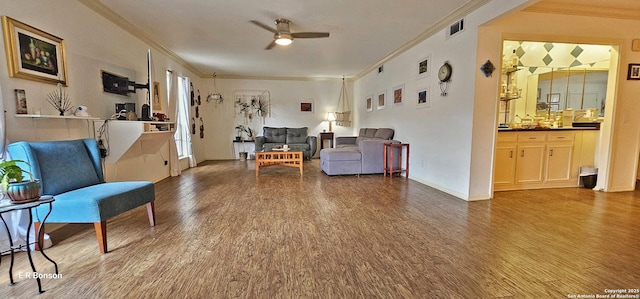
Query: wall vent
[(455, 28)]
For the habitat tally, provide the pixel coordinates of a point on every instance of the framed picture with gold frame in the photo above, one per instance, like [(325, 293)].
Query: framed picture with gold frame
[(33, 54), (157, 100)]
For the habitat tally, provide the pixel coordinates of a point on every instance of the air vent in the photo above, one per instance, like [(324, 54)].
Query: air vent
[(455, 28)]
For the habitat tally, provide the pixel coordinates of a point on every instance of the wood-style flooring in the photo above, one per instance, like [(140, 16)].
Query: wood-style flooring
[(223, 233)]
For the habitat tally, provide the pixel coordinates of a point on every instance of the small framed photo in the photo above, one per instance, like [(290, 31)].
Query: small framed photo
[(634, 71), (306, 106), (423, 99), (382, 100), (553, 98), (424, 66), (157, 100), (34, 54), (21, 101), (368, 103), (398, 95)]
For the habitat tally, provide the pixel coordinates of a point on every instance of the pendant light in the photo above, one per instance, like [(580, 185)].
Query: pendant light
[(215, 96), (343, 116)]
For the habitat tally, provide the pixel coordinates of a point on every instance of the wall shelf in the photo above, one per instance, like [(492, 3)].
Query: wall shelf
[(127, 139), (35, 116)]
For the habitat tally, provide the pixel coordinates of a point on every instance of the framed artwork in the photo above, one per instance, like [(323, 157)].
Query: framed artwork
[(368, 103), (34, 54), (306, 106), (424, 66), (423, 99), (553, 98), (398, 95), (157, 100), (634, 72), (382, 98), (21, 101)]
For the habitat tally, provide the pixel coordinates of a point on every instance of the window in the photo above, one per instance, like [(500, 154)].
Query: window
[(182, 121)]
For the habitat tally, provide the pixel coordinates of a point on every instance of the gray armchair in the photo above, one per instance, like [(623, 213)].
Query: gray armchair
[(296, 138)]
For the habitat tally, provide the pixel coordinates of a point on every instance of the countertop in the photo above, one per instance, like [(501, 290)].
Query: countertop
[(548, 129)]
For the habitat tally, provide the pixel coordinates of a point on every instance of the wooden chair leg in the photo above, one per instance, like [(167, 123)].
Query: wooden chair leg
[(152, 213), (37, 226), (101, 234)]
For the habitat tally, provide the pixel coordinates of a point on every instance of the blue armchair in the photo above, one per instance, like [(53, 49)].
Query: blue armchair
[(71, 171)]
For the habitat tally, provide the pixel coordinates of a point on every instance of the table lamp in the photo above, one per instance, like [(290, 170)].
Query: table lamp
[(330, 118)]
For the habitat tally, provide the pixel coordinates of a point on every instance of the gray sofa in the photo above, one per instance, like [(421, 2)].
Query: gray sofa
[(362, 154), (296, 138)]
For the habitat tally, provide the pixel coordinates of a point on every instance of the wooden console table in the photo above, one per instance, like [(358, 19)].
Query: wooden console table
[(388, 163), (289, 159)]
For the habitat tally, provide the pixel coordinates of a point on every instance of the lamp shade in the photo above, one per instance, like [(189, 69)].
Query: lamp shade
[(331, 116)]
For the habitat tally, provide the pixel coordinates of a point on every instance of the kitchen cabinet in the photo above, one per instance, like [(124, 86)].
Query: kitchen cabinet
[(541, 159), (559, 157)]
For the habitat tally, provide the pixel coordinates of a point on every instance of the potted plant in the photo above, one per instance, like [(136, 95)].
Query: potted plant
[(239, 130), (11, 179), (249, 132)]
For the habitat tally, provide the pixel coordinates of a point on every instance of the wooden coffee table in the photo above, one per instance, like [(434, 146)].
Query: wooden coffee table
[(289, 159)]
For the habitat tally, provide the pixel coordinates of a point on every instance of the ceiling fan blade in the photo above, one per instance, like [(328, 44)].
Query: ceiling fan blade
[(309, 34), (270, 45), (265, 27)]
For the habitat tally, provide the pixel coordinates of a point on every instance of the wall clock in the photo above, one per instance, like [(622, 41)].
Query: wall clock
[(444, 75)]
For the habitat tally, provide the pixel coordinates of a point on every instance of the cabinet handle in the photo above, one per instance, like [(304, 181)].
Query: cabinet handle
[(532, 137), (510, 154), (561, 137), (522, 153), (551, 152)]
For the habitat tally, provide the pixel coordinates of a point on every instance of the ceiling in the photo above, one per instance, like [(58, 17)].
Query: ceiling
[(217, 36)]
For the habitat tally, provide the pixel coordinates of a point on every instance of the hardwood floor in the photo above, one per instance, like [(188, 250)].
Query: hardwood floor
[(222, 232)]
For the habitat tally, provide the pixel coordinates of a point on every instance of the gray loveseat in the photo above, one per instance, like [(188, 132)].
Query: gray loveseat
[(296, 138), (362, 154)]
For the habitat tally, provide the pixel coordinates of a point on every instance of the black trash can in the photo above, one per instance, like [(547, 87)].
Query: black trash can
[(589, 181), (588, 176)]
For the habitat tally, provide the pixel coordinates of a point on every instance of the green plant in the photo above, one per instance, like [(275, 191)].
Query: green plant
[(242, 128), (10, 172)]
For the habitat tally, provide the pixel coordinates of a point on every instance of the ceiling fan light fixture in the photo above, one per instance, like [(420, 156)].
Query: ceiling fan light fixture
[(283, 39)]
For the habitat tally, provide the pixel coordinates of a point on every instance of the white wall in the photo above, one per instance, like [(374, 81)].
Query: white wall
[(440, 136), (92, 44), (220, 120)]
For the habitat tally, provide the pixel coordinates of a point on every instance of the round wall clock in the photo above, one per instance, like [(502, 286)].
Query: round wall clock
[(444, 74)]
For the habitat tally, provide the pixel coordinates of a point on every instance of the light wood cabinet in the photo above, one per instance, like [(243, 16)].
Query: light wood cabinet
[(529, 163), (532, 160)]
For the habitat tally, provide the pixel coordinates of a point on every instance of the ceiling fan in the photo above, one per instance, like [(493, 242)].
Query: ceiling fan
[(283, 36)]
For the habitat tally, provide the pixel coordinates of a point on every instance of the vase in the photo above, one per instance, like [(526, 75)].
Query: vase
[(25, 191), (243, 156)]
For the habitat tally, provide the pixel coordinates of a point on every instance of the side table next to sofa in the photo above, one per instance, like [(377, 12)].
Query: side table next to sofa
[(390, 160)]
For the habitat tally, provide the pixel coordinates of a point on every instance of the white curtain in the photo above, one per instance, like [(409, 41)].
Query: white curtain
[(17, 221), (172, 95), (182, 110)]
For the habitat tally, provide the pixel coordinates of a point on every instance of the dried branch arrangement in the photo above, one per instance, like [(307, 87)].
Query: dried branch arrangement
[(59, 99)]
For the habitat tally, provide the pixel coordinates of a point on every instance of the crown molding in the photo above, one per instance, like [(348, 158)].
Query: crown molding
[(583, 10), (119, 21), (437, 27), (241, 77)]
